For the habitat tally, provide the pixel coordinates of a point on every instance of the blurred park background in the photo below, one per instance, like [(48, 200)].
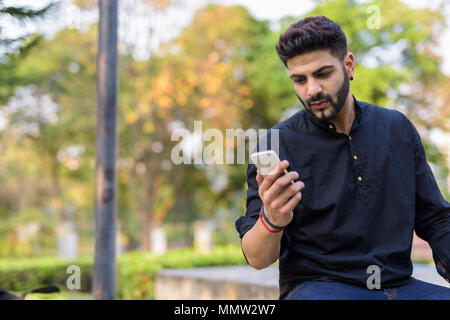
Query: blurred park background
[(180, 61)]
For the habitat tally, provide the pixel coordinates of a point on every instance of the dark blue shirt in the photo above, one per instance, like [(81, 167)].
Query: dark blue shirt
[(365, 195)]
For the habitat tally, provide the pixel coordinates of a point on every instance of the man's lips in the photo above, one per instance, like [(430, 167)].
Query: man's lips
[(319, 104)]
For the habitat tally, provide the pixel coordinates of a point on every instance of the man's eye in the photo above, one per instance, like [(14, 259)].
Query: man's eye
[(299, 80), (323, 75)]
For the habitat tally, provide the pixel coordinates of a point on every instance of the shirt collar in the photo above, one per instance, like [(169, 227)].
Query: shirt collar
[(330, 127)]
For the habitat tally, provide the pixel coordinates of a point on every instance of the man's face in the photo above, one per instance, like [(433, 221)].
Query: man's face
[(319, 77)]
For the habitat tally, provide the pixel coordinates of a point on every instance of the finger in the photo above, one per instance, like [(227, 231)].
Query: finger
[(269, 180), (287, 192), (259, 178), (280, 184), (290, 205)]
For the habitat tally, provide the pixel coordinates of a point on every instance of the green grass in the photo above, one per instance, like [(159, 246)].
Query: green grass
[(64, 295)]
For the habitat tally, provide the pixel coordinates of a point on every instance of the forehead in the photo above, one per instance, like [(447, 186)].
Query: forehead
[(307, 63)]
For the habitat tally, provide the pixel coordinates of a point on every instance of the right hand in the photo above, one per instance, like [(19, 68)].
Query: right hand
[(279, 195)]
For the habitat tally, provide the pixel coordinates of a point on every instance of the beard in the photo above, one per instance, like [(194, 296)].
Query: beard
[(336, 105)]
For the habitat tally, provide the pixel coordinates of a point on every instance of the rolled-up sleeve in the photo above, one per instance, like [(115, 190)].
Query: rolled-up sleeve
[(432, 216)]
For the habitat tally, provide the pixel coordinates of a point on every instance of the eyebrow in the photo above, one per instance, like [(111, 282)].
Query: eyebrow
[(296, 75)]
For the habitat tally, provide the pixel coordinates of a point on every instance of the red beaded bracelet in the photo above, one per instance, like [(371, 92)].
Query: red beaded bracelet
[(265, 225)]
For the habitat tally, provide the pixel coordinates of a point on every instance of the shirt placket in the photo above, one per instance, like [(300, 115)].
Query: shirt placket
[(358, 178)]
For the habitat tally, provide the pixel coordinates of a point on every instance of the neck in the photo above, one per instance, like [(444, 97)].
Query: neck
[(344, 120)]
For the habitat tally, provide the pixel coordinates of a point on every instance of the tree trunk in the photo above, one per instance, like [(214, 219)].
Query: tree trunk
[(146, 203), (106, 187), (145, 230)]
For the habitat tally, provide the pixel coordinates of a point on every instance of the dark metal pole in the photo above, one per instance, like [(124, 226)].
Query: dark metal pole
[(104, 286)]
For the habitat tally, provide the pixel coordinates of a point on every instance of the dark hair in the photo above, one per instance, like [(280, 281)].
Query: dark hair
[(309, 34)]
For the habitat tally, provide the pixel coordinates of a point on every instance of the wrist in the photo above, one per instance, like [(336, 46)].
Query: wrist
[(269, 225)]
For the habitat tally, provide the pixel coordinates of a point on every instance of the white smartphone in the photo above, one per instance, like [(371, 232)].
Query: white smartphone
[(267, 162)]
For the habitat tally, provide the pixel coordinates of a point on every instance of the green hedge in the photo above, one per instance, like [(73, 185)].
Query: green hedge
[(22, 274), (135, 270)]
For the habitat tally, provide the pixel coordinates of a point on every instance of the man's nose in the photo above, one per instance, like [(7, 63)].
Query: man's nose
[(314, 88)]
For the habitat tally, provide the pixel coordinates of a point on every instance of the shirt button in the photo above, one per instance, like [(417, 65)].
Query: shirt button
[(359, 178), (355, 157), (350, 138), (330, 126)]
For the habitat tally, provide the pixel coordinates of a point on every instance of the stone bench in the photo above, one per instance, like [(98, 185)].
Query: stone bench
[(239, 282)]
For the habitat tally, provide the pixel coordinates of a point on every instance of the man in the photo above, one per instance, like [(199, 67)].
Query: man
[(364, 186)]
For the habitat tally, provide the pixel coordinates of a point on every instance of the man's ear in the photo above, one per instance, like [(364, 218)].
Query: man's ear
[(349, 64)]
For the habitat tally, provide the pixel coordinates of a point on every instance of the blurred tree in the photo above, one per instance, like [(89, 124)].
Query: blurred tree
[(198, 76), (61, 75), (61, 69), (21, 14), (15, 48)]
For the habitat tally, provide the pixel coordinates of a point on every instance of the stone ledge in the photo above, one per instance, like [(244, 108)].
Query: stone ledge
[(239, 283), (217, 283)]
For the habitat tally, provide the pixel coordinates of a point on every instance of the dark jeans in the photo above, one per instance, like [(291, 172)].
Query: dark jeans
[(327, 290)]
